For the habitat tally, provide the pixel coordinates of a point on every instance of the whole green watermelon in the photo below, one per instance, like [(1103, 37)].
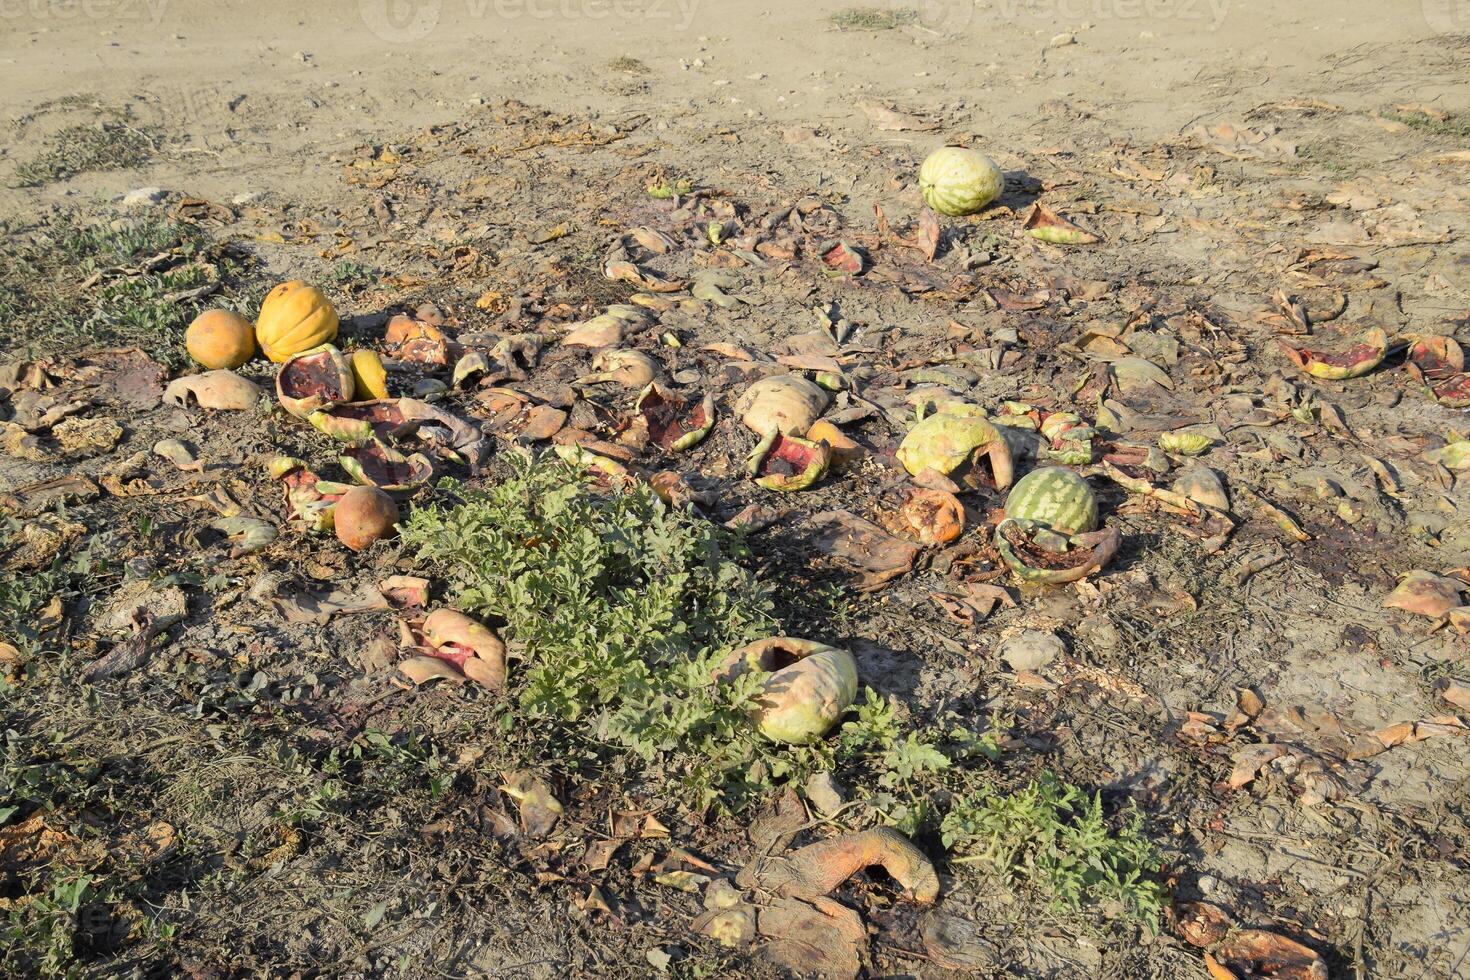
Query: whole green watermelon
[(1056, 497), (956, 180)]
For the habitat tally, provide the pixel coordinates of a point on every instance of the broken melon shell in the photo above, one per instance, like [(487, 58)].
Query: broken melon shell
[(812, 457), (784, 402), (315, 379), (803, 699), (944, 442)]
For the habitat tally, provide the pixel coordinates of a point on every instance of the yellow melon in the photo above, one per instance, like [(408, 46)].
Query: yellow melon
[(220, 340), (294, 317)]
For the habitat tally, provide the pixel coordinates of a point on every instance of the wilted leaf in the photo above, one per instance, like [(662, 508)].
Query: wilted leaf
[(375, 914), (861, 547), (600, 853), (247, 535), (1243, 143), (540, 809), (925, 239), (892, 120), (422, 670), (1249, 761), (1136, 372), (1201, 923), (976, 603), (179, 453)]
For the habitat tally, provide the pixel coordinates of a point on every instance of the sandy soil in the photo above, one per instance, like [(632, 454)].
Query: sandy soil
[(260, 99), (1354, 148)]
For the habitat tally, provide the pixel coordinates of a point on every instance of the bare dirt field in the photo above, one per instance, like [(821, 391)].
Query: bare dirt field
[(1223, 293)]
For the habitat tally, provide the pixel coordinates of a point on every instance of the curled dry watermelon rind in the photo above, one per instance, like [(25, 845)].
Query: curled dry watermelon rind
[(1088, 552)]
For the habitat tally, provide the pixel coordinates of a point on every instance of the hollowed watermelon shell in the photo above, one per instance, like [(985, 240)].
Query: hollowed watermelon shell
[(360, 422), (673, 424), (376, 464), (969, 448), (313, 380), (787, 463), (1454, 393), (1016, 541), (1435, 358)]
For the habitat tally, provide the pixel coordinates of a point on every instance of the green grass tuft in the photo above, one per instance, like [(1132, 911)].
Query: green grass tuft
[(627, 66), (88, 148), (76, 285), (1053, 835), (1455, 126), (874, 18), (624, 608)]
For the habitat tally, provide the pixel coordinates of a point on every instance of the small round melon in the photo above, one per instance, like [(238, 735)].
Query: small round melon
[(365, 515), (220, 340), (956, 180)]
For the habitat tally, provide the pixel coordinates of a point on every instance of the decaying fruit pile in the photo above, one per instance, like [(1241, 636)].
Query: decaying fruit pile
[(1017, 471)]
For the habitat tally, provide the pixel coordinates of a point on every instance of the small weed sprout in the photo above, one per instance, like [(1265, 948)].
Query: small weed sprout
[(907, 765), (1455, 125), (627, 65), (82, 149), (348, 273), (21, 596)]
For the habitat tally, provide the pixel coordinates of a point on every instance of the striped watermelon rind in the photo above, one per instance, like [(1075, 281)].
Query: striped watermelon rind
[(1056, 498), (956, 180), (1069, 439), (1075, 449)]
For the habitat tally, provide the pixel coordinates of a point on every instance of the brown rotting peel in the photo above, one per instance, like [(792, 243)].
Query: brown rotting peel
[(816, 870)]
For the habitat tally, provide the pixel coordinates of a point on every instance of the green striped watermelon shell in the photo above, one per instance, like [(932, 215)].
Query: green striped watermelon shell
[(1055, 497), (956, 180)]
